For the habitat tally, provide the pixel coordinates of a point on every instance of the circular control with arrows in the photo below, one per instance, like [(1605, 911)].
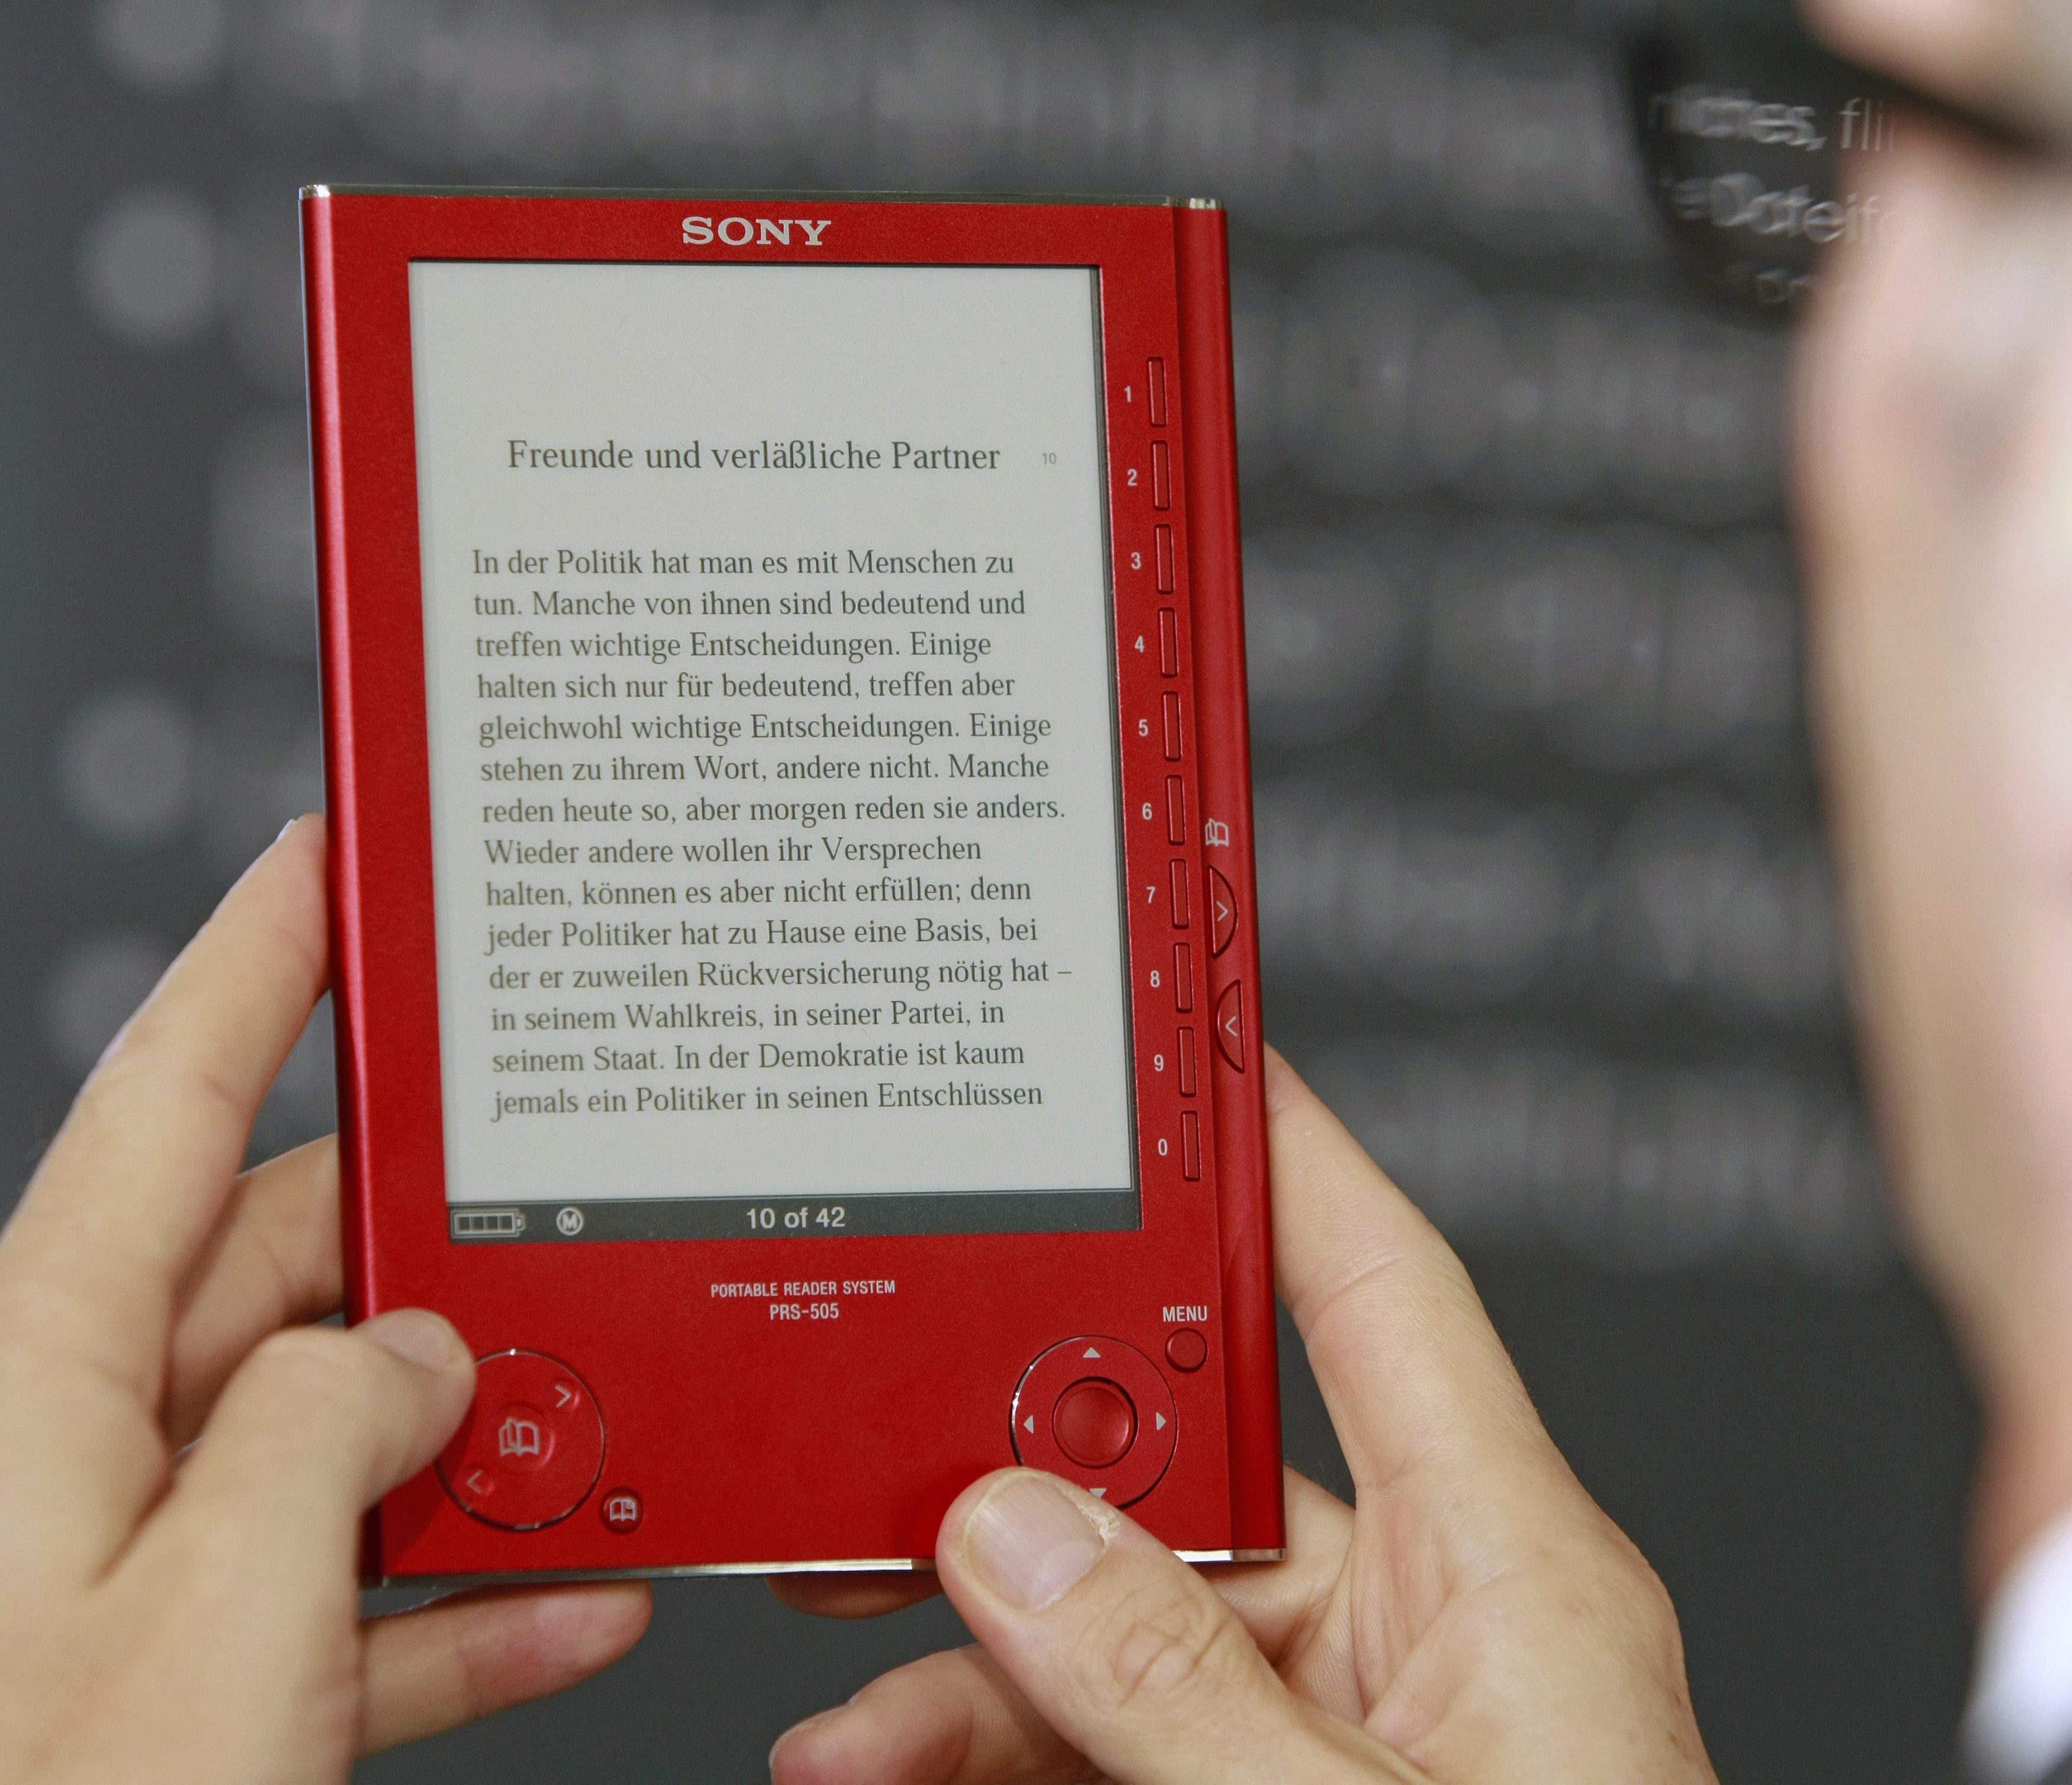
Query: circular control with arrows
[(531, 1446), (1097, 1411)]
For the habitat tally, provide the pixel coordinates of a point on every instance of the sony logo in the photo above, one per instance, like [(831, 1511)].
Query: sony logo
[(740, 232)]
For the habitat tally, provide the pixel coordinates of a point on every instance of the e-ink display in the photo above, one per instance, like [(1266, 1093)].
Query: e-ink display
[(770, 689)]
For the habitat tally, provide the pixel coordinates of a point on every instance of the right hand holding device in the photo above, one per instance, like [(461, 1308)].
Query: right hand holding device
[(1473, 1614)]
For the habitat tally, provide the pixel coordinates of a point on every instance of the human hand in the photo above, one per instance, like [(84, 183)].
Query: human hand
[(1934, 482), (192, 1613), (1472, 1616)]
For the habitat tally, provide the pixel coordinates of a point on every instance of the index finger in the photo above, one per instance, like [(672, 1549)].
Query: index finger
[(132, 1187), (1415, 1379)]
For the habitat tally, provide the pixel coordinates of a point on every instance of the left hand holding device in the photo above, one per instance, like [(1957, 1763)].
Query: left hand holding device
[(189, 1613), (1473, 1611)]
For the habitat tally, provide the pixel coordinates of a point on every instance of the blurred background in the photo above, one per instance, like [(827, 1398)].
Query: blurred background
[(1545, 900)]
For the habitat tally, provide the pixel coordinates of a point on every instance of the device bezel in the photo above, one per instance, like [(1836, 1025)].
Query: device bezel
[(615, 1308)]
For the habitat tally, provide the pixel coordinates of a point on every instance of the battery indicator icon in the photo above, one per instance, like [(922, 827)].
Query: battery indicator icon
[(488, 1223)]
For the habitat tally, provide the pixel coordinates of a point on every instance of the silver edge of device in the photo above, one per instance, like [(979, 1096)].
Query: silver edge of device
[(326, 190), (867, 1564)]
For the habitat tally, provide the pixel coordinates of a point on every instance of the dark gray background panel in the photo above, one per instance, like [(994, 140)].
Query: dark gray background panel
[(1545, 897)]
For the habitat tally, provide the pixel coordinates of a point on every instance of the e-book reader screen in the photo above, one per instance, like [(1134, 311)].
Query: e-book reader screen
[(770, 695)]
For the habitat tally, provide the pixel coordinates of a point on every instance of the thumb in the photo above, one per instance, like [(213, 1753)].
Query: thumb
[(1125, 1651), (313, 1428)]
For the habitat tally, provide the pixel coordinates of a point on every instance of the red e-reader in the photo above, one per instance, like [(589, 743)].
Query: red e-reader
[(796, 973)]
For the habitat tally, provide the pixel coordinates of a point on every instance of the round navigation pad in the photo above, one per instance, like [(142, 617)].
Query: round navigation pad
[(1094, 1423), (1098, 1413), (531, 1446)]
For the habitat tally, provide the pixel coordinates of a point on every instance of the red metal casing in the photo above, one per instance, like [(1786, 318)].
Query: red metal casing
[(751, 1444)]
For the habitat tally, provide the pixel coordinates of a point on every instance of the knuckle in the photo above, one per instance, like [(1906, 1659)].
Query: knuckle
[(319, 1373), (1164, 1647), (1655, 1612), (1639, 1586), (1633, 1602)]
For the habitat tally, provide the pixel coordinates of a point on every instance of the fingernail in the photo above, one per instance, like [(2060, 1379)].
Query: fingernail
[(416, 1337), (1029, 1542), (817, 1718)]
